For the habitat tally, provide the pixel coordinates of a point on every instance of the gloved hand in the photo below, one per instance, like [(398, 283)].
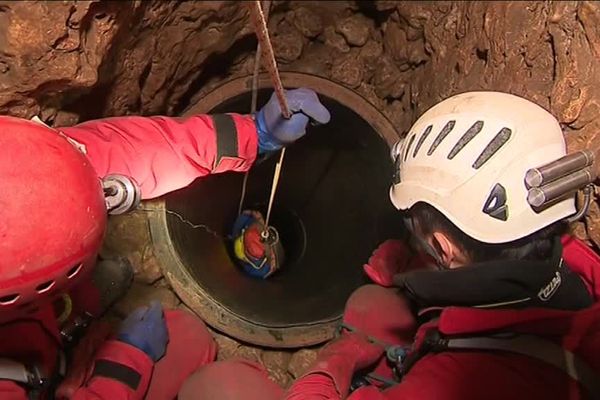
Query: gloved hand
[(338, 361), (145, 329), (390, 258), (358, 350), (274, 131)]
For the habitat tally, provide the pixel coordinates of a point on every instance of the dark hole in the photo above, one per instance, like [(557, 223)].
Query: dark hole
[(482, 54), (331, 210), (9, 299), (44, 286), (73, 271)]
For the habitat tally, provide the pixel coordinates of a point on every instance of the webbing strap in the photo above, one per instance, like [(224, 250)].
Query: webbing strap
[(537, 348), (118, 372), (227, 137), (14, 371)]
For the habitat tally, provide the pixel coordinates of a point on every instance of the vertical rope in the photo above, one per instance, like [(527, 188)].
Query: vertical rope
[(266, 6), (262, 33)]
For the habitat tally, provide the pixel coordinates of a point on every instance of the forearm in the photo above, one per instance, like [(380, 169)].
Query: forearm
[(163, 154)]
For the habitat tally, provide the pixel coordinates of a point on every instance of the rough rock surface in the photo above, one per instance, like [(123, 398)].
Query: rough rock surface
[(71, 61), (128, 236), (109, 58), (301, 360), (140, 295)]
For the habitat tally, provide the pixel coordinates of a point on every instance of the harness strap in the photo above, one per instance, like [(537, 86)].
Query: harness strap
[(539, 349), (526, 345), (15, 371), (31, 377)]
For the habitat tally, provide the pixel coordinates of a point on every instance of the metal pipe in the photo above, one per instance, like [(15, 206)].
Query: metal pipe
[(566, 165), (539, 196)]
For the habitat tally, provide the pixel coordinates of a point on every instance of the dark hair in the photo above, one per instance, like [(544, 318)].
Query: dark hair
[(537, 246)]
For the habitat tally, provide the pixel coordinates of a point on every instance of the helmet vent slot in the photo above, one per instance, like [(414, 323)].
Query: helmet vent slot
[(44, 287), (441, 136), (422, 139), (410, 143), (493, 146), (9, 299), (465, 139), (74, 271)]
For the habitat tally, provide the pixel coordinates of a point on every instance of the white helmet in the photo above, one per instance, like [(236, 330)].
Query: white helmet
[(467, 157)]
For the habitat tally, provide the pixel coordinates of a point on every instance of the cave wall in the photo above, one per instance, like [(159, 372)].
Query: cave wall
[(71, 61)]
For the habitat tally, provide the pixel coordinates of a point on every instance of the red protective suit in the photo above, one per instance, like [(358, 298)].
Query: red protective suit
[(162, 154), (475, 374)]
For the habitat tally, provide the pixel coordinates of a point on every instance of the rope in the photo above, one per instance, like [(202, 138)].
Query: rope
[(274, 186), (262, 33), (266, 6)]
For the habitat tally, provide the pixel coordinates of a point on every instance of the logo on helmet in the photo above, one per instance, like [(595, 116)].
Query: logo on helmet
[(495, 205)]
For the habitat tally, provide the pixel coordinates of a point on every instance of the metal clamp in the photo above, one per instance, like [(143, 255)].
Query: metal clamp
[(121, 193), (588, 191)]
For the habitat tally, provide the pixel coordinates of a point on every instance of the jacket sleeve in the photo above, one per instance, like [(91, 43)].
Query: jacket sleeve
[(120, 371), (164, 154), (322, 387), (314, 386)]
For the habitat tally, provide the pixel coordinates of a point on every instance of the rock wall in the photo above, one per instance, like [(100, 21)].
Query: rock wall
[(72, 61)]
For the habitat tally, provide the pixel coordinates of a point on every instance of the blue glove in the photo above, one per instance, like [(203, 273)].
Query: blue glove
[(274, 131), (145, 329)]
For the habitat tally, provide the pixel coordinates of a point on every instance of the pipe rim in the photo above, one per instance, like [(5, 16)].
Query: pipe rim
[(178, 276)]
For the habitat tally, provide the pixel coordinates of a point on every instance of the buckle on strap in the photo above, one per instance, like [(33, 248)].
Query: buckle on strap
[(15, 371)]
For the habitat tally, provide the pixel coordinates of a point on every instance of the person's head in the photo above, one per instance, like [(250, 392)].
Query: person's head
[(52, 216), (461, 179)]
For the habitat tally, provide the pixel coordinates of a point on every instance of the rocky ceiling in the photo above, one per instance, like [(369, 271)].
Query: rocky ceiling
[(71, 61)]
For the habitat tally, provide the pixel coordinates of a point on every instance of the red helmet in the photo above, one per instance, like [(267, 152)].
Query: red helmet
[(52, 215)]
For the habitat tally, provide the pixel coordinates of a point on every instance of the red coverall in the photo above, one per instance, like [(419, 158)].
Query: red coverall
[(383, 314), (162, 154), (468, 375)]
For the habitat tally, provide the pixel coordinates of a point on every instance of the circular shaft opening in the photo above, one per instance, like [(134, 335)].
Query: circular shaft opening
[(330, 209)]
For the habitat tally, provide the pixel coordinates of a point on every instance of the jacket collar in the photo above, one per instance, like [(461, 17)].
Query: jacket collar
[(550, 284)]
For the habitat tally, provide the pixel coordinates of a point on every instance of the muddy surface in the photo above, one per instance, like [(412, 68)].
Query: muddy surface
[(71, 61)]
